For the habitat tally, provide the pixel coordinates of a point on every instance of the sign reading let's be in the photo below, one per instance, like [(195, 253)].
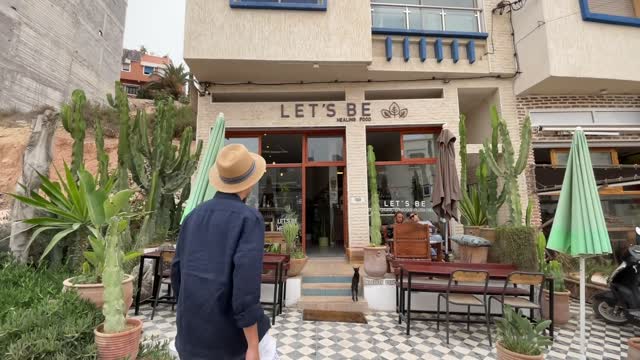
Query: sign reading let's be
[(341, 112)]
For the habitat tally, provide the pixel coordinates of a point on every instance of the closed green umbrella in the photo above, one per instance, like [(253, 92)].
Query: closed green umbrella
[(202, 189), (579, 228)]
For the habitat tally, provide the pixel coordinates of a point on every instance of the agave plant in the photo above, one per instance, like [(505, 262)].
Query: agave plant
[(516, 333), (471, 208)]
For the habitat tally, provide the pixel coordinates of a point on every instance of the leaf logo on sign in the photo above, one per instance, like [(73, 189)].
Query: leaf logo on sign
[(394, 111)]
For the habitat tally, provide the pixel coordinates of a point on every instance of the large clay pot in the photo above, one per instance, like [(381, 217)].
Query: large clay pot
[(488, 233), (472, 230), (375, 261), (504, 354), (634, 349), (122, 345), (472, 254), (296, 266), (95, 292), (561, 310)]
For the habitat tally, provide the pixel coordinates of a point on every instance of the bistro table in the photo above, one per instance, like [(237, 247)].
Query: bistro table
[(275, 262), (438, 269), (155, 256)]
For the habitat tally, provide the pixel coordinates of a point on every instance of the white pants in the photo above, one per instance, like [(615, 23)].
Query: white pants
[(268, 348)]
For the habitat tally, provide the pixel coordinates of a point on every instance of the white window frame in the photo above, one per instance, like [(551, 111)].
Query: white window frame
[(153, 70), (478, 10), (128, 67)]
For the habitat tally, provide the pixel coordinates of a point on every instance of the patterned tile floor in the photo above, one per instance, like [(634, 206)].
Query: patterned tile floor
[(383, 338)]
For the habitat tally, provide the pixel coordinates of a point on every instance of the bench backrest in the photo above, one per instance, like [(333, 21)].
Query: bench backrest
[(411, 240)]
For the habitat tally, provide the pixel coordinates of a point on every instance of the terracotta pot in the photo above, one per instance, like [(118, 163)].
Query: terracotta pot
[(488, 233), (95, 292), (472, 230), (375, 261), (561, 310), (634, 349), (504, 354), (296, 266), (472, 255), (122, 345)]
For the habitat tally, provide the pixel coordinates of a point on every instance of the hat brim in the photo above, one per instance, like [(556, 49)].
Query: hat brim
[(258, 173)]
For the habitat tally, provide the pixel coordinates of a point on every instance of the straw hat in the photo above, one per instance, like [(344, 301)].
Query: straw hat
[(236, 169)]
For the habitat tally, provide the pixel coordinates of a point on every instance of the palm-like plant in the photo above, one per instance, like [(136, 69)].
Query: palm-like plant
[(471, 207), (170, 80), (516, 333)]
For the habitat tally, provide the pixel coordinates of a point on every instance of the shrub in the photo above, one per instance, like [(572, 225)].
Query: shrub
[(516, 333), (516, 245), (184, 118), (108, 118), (39, 321)]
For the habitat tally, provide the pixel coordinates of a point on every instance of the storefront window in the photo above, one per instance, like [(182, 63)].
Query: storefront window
[(282, 148), (419, 146), (251, 143), (325, 149), (385, 144), (279, 189), (405, 188)]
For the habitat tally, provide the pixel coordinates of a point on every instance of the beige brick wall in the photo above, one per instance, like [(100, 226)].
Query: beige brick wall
[(566, 102)]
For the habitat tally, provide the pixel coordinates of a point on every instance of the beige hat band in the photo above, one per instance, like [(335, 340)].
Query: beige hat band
[(240, 178)]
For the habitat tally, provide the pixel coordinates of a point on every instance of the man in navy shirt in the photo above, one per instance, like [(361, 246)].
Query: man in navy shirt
[(216, 272)]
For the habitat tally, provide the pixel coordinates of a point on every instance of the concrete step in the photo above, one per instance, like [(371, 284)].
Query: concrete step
[(327, 279), (326, 289), (327, 286), (335, 303)]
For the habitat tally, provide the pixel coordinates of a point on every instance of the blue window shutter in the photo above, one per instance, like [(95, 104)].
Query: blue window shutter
[(439, 50), (423, 49), (455, 50), (471, 51), (388, 48), (405, 49)]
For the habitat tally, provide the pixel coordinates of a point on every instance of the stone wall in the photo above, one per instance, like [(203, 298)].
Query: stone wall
[(49, 48)]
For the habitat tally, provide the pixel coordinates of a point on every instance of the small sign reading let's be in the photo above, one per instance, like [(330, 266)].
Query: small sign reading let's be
[(341, 112)]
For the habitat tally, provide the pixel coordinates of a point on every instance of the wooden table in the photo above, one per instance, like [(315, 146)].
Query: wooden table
[(155, 256), (275, 262), (411, 269)]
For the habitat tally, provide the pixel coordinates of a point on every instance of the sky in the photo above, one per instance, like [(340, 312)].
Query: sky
[(158, 25)]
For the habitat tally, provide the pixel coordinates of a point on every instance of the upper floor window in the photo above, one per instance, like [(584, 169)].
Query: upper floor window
[(427, 15), (617, 12), (280, 4), (148, 70), (126, 67)]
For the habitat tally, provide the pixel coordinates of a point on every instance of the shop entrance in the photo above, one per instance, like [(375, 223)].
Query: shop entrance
[(306, 180), (325, 211)]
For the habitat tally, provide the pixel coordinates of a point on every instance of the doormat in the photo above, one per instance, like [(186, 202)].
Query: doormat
[(334, 316)]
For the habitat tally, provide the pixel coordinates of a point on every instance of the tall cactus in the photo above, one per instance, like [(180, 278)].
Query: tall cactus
[(74, 123), (509, 168), (101, 154), (490, 196), (160, 168), (112, 275), (462, 130), (121, 104), (376, 223)]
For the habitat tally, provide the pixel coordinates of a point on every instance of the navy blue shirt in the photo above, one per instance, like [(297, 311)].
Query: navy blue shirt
[(216, 274)]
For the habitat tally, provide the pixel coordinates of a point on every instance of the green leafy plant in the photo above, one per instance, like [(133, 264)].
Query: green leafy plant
[(516, 333), (514, 245), (290, 231), (462, 131), (473, 213), (554, 270), (274, 248), (155, 349), (376, 222)]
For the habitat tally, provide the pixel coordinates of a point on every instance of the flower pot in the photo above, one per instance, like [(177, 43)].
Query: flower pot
[(472, 230), (472, 254), (561, 311), (634, 349), (488, 233), (95, 292), (323, 241), (504, 354), (296, 266), (375, 261), (118, 346)]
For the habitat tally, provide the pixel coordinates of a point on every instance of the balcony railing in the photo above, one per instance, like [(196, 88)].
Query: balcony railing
[(426, 18)]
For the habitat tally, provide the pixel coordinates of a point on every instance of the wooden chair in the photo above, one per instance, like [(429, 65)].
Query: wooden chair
[(531, 279), (164, 274), (474, 277), (411, 240)]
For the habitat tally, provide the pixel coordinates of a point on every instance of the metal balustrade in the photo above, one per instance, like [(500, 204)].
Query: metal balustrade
[(425, 17)]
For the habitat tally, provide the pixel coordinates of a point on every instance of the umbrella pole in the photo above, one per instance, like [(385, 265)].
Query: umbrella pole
[(583, 345)]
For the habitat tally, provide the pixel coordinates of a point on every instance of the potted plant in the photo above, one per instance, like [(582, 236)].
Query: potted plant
[(323, 239), (561, 297), (473, 214), (81, 212), (118, 337), (291, 231), (375, 260), (518, 338)]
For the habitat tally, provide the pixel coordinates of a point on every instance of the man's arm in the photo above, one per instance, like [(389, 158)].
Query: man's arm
[(247, 280), (175, 264)]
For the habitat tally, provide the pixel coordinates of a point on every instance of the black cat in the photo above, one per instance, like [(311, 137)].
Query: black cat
[(355, 284)]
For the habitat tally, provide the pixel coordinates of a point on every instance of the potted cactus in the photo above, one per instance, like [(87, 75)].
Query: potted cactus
[(118, 337), (520, 339), (375, 260)]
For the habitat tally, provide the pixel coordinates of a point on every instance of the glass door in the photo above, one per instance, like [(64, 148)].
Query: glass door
[(325, 211)]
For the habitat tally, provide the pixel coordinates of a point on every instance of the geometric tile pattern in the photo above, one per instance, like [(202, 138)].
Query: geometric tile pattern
[(384, 338)]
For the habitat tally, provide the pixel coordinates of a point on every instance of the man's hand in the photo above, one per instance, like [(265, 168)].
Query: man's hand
[(253, 353)]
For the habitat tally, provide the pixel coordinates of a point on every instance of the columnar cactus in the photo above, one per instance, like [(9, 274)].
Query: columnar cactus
[(462, 129), (374, 232), (112, 275), (509, 168), (160, 168), (101, 154), (74, 123), (121, 104)]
